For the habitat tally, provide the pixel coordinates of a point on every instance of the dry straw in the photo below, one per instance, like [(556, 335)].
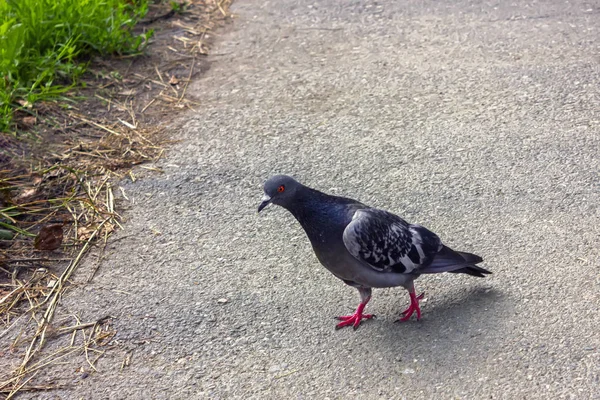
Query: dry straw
[(59, 206)]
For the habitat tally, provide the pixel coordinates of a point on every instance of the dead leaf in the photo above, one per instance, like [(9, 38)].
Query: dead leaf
[(85, 232), (29, 120), (24, 103), (49, 238), (25, 195), (173, 81), (128, 92)]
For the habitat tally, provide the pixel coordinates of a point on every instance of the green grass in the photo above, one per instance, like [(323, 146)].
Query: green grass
[(44, 45)]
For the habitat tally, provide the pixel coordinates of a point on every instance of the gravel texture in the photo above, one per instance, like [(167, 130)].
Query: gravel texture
[(477, 119)]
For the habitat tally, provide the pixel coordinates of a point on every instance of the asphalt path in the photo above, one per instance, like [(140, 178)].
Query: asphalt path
[(479, 120)]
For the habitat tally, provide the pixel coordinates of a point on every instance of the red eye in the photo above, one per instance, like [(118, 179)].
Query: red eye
[(281, 188)]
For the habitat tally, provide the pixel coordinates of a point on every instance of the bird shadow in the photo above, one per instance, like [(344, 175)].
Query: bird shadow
[(460, 320), (461, 303)]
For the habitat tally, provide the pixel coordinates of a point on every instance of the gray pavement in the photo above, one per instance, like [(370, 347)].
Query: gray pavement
[(479, 120)]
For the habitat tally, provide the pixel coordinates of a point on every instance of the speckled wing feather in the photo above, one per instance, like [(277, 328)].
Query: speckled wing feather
[(388, 243)]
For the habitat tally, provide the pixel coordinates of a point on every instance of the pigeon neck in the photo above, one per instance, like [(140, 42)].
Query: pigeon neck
[(306, 201), (318, 212)]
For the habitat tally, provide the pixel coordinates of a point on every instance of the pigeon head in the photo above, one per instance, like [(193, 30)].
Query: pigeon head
[(280, 190)]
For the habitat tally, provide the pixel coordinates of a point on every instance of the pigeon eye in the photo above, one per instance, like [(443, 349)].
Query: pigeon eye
[(281, 188)]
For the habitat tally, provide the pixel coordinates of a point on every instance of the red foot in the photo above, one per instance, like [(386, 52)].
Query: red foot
[(414, 306), (355, 318)]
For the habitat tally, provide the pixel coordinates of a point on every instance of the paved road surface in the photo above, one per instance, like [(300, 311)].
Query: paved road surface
[(479, 120)]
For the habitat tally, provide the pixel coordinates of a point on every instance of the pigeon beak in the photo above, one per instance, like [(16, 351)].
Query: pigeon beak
[(266, 200)]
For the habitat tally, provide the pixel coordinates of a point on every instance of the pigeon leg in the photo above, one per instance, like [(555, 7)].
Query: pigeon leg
[(414, 305), (356, 318)]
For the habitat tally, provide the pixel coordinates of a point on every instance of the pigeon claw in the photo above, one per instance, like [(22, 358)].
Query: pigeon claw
[(414, 307), (353, 320)]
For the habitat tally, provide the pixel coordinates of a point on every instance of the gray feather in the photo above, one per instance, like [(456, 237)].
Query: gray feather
[(387, 243)]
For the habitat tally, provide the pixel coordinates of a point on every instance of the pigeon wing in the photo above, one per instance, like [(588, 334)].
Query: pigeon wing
[(387, 243)]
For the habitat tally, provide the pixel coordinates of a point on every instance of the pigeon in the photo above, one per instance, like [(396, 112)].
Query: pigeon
[(367, 247)]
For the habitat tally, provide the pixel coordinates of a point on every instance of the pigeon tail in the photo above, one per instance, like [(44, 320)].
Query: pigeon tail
[(469, 257), (472, 270), (457, 262)]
